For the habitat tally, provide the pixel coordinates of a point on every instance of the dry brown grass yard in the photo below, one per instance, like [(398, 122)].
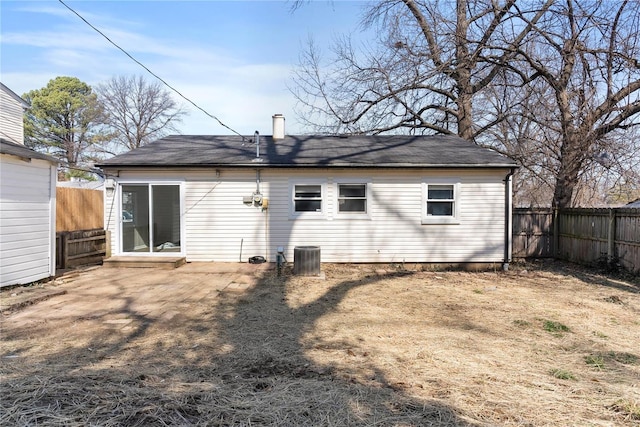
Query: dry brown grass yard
[(552, 345)]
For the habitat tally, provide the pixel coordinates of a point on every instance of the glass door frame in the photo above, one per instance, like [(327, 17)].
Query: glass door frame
[(149, 184)]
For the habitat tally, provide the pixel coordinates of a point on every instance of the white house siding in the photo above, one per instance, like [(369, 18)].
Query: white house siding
[(220, 227), (394, 232), (11, 127), (27, 220)]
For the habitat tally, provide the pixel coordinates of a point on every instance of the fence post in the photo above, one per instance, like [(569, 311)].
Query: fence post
[(62, 251), (556, 234), (611, 238), (58, 251), (107, 243)]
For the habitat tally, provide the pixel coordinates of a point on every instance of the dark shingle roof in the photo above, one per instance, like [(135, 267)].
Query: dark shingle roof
[(19, 150), (312, 151)]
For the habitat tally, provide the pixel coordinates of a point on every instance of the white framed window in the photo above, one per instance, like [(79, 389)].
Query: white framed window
[(352, 198), (307, 199), (440, 202)]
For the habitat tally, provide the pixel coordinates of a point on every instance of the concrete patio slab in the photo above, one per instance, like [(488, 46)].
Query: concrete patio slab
[(106, 293)]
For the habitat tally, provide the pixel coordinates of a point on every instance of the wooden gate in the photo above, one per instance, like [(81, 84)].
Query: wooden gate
[(84, 247)]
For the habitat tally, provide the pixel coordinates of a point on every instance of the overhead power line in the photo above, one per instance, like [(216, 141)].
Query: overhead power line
[(148, 70)]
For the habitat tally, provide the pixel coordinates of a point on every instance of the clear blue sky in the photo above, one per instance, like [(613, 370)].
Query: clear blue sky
[(233, 58)]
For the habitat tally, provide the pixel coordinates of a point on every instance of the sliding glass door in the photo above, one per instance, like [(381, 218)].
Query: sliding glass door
[(151, 221)]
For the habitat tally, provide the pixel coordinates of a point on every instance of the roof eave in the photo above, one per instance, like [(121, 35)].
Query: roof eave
[(9, 148), (24, 104), (316, 165)]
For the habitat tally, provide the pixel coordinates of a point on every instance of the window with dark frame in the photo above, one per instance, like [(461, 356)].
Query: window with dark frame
[(441, 200), (352, 198), (307, 198)]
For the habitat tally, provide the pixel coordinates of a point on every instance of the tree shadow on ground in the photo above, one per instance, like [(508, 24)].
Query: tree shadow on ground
[(234, 359), (598, 275), (278, 384)]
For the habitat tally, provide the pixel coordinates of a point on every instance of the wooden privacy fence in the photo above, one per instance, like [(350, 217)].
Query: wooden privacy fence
[(532, 233), (78, 209), (587, 236), (80, 238), (84, 247), (600, 235)]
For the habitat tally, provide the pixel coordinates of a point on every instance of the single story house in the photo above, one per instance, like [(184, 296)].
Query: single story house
[(27, 201), (366, 199)]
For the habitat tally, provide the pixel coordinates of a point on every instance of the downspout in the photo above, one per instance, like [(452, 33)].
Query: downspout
[(507, 220), (53, 180)]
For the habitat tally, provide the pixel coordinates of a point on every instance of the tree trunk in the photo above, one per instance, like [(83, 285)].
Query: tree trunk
[(563, 193), (463, 73), (571, 159), (465, 123)]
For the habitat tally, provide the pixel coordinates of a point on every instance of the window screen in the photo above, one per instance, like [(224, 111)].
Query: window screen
[(352, 198), (440, 200), (308, 198)]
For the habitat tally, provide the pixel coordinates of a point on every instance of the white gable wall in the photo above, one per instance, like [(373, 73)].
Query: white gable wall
[(11, 112), (27, 220), (220, 227)]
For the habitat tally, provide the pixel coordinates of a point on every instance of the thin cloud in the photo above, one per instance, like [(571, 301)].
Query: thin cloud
[(243, 94), (61, 12), (53, 39)]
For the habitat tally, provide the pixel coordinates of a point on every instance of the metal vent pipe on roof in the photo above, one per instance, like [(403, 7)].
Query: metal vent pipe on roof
[(256, 136), (278, 126)]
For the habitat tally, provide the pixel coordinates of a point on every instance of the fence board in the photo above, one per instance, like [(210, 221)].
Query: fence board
[(532, 233), (78, 209), (75, 248), (585, 236), (627, 235), (582, 235)]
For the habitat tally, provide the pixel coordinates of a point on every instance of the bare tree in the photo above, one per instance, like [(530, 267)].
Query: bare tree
[(521, 136), (554, 84), (137, 111), (587, 55), (430, 63), (530, 135)]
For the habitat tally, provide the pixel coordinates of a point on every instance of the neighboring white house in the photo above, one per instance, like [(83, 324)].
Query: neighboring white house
[(97, 185), (27, 201), (392, 199), (11, 112)]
